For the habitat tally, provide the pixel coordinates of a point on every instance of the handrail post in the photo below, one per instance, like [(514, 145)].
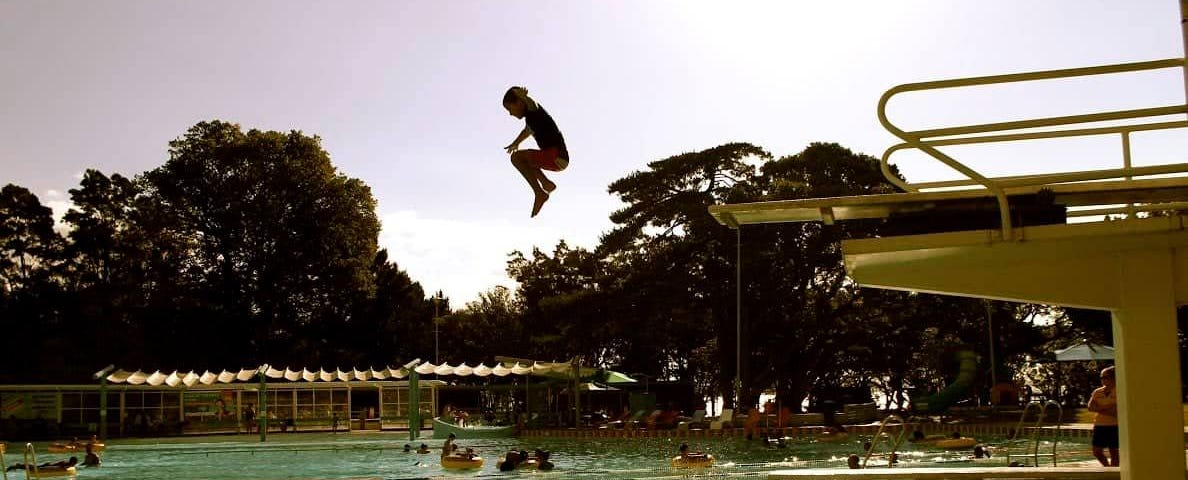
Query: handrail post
[(1126, 164), (894, 442), (1184, 33), (30, 457)]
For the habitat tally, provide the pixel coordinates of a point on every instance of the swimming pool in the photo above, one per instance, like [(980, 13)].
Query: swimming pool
[(380, 456)]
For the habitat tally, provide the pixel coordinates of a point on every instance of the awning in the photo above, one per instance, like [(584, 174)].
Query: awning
[(189, 379), (177, 378)]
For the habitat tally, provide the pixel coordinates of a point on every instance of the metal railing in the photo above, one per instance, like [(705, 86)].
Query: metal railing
[(1032, 442), (928, 140), (30, 458), (893, 441)]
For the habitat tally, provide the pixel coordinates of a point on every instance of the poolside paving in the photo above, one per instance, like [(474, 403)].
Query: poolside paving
[(979, 473)]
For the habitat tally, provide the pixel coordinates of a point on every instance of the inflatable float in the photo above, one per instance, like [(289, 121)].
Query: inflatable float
[(693, 461), (461, 463)]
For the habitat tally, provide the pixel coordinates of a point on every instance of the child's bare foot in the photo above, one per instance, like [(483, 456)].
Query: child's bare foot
[(541, 198), (548, 186)]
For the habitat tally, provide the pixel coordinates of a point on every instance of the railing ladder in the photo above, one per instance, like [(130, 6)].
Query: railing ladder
[(1031, 445), (893, 441), (31, 470)]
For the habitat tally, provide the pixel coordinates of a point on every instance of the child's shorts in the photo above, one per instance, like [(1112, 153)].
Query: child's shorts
[(547, 159)]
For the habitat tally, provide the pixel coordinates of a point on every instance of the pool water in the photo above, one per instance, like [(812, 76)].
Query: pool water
[(380, 456)]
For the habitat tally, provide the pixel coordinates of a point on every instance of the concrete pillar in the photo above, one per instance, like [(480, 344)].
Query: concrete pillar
[(1147, 355)]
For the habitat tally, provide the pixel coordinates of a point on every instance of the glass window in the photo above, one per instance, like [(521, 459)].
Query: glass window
[(71, 400)]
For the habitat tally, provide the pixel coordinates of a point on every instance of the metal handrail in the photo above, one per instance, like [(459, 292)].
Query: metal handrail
[(925, 141), (1032, 448), (893, 442), (31, 470)]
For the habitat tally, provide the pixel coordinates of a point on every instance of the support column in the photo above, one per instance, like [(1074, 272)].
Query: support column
[(1149, 411), (1184, 33), (414, 405)]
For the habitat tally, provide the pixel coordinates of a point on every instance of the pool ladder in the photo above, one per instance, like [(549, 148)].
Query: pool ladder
[(893, 441), (1032, 443), (30, 458)]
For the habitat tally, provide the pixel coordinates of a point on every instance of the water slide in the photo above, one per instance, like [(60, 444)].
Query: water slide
[(954, 391)]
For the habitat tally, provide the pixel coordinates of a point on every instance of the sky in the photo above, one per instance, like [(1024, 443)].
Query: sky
[(406, 94)]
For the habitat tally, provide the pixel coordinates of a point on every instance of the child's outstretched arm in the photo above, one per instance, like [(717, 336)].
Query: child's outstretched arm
[(515, 145)]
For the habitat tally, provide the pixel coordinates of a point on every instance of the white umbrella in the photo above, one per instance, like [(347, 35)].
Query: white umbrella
[(1085, 352)]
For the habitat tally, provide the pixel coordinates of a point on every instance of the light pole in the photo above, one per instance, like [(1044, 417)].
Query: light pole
[(738, 319), (102, 377), (437, 299)]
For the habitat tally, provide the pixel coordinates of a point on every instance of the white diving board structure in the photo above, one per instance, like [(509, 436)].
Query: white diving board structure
[(1009, 238)]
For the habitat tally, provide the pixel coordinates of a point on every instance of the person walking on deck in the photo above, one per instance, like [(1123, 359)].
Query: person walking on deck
[(1104, 402)]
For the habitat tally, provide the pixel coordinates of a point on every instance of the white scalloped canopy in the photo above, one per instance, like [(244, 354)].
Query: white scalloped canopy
[(178, 378)]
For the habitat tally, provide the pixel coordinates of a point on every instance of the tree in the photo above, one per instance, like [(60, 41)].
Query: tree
[(29, 246), (675, 259), (30, 295), (284, 242), (397, 316)]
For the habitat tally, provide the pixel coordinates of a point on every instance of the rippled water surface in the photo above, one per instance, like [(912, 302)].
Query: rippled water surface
[(380, 456)]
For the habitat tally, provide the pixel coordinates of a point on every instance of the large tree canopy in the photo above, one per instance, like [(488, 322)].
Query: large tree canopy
[(244, 247), (249, 247)]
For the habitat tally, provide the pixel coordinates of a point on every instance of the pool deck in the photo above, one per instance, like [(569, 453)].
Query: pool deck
[(1015, 473), (1068, 430)]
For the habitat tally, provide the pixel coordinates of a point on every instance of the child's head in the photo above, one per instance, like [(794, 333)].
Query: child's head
[(517, 101), (684, 448)]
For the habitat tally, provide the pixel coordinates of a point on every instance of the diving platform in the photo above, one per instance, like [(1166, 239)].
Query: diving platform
[(1015, 239), (1146, 194)]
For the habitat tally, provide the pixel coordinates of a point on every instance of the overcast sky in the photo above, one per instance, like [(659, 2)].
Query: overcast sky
[(406, 94)]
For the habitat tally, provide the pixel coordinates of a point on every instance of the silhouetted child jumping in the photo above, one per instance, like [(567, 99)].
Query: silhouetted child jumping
[(552, 155)]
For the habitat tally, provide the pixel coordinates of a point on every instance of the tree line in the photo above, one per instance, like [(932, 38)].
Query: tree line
[(250, 247)]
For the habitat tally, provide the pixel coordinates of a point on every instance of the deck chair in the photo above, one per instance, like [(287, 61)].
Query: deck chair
[(696, 421), (650, 421), (630, 421), (725, 419)]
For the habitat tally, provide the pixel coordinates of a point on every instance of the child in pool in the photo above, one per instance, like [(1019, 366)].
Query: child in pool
[(552, 156)]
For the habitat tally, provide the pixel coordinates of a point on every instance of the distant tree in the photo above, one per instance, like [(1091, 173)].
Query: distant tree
[(29, 246), (485, 328), (31, 297), (798, 304), (106, 270), (284, 243), (676, 262), (561, 300), (394, 321)]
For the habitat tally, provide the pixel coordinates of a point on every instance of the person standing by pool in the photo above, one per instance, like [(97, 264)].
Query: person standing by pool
[(249, 416), (1104, 402)]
